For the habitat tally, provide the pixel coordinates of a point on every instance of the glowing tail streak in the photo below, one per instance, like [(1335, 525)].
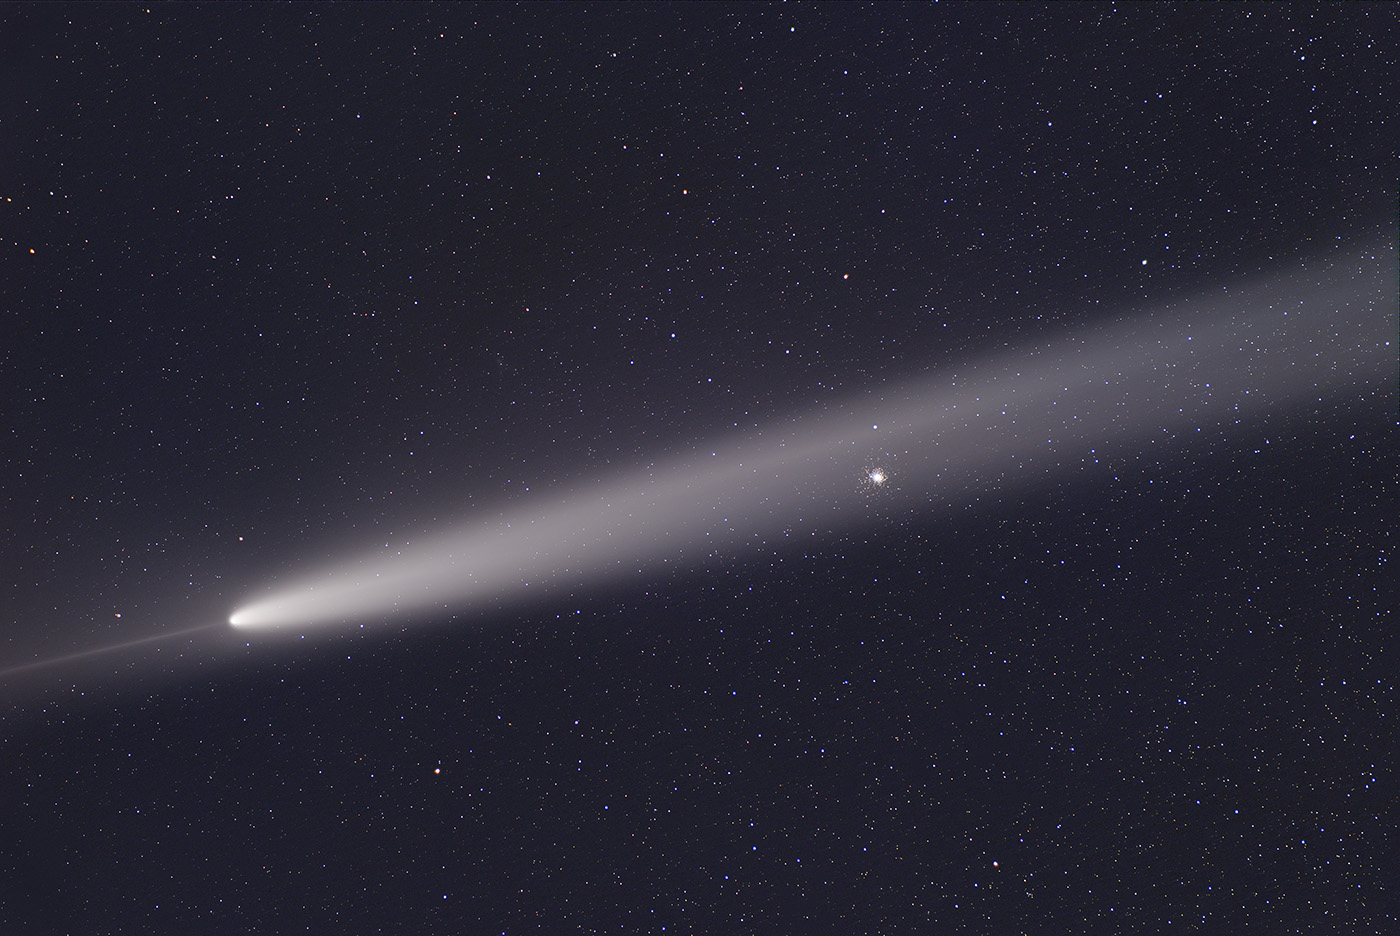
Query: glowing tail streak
[(106, 650), (1014, 418)]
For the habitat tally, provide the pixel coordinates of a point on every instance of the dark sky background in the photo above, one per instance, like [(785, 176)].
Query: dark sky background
[(280, 279)]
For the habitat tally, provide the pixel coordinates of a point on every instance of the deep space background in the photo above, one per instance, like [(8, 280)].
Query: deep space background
[(282, 278)]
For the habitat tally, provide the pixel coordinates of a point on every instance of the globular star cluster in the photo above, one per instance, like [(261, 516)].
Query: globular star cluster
[(698, 468)]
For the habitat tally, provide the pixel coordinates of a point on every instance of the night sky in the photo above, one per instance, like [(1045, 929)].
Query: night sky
[(282, 283)]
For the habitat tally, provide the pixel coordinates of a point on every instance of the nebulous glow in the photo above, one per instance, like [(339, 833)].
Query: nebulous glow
[(1045, 410), (104, 650)]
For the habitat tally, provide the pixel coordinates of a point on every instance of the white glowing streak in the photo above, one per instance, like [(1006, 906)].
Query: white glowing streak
[(1041, 411), (48, 662)]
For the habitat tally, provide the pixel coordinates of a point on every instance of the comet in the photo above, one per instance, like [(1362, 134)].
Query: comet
[(1054, 407)]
